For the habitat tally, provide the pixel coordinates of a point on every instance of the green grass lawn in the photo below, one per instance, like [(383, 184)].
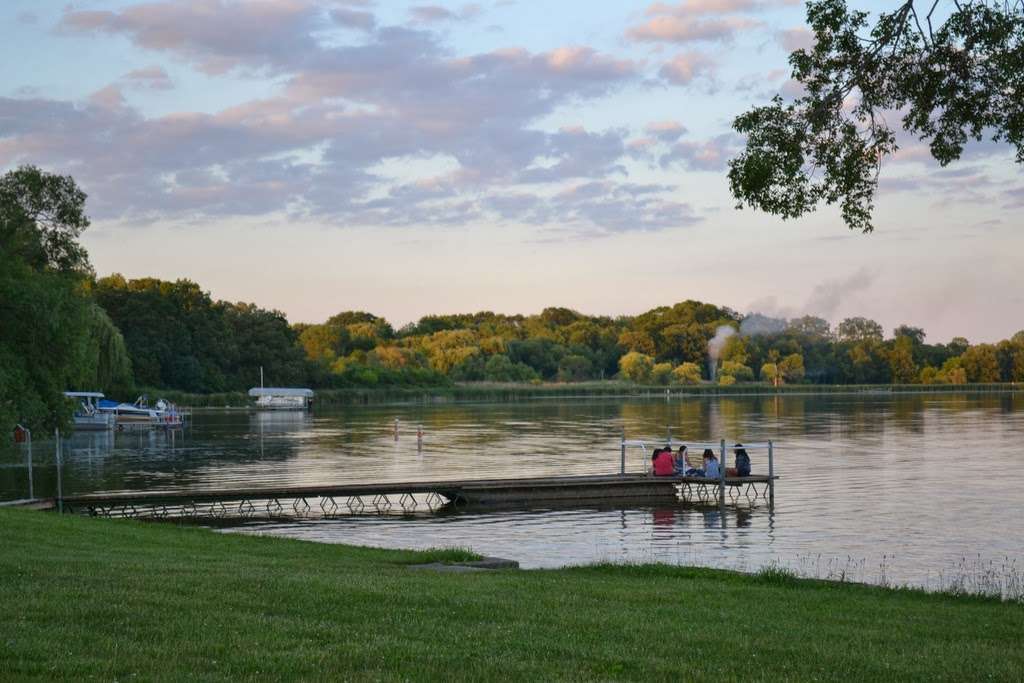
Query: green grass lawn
[(89, 598)]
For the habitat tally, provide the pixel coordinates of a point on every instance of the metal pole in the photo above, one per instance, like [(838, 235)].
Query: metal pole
[(31, 494), (771, 475), (396, 429), (721, 474), (419, 438), (60, 483), (622, 455), (668, 436)]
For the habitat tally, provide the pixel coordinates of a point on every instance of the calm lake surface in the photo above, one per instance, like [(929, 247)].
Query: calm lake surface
[(917, 489)]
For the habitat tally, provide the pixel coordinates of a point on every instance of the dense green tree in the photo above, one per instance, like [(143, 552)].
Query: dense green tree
[(952, 73), (262, 339), (41, 218), (53, 338), (901, 360), (859, 329), (981, 363), (176, 337), (811, 327)]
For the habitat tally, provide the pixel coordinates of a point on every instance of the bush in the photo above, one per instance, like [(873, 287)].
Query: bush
[(661, 373), (686, 373), (636, 367)]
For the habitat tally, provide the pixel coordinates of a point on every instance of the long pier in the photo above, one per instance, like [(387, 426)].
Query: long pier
[(330, 500), (408, 497)]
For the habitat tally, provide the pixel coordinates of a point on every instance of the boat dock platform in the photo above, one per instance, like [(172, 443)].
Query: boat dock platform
[(408, 497), (328, 500)]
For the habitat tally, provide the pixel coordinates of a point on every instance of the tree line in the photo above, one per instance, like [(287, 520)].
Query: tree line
[(63, 328)]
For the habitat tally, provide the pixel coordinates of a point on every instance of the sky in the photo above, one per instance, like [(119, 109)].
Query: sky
[(316, 156)]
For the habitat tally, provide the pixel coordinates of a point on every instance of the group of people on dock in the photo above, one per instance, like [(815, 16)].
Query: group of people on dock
[(666, 464)]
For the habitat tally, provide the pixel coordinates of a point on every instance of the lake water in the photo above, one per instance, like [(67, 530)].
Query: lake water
[(907, 489)]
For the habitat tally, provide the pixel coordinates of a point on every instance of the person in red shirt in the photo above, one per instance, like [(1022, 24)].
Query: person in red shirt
[(664, 463)]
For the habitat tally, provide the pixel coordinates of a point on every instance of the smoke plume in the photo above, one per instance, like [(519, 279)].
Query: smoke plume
[(825, 300), (715, 346)]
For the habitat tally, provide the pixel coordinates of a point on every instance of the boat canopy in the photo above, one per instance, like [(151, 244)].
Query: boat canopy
[(84, 394), (281, 391)]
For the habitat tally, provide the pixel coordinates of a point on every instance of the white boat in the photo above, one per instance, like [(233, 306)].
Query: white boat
[(88, 416), (282, 398), (140, 415)]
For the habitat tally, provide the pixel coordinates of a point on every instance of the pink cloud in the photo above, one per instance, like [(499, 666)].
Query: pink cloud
[(397, 93), (150, 77), (685, 67), (794, 39), (700, 20), (672, 29), (667, 131)]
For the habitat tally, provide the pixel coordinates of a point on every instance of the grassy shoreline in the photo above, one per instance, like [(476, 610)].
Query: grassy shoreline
[(116, 599), (511, 392)]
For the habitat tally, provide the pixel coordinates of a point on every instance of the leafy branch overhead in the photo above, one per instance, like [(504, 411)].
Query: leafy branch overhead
[(951, 72)]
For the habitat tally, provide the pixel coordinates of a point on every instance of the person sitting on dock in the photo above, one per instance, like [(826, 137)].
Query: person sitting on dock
[(711, 464), (692, 470), (680, 463), (663, 463), (742, 461)]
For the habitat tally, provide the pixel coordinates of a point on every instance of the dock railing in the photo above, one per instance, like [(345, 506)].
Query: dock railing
[(648, 445)]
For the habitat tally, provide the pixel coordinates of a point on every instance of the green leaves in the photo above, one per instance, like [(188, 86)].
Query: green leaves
[(951, 84), (41, 217)]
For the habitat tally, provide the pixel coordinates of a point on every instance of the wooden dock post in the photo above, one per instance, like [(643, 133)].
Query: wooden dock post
[(419, 438), (60, 482), (721, 475), (771, 477), (622, 454), (28, 448)]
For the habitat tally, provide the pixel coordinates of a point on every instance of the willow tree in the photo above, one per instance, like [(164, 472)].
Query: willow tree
[(949, 71)]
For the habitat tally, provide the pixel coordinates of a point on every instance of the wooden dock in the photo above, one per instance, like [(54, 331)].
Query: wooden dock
[(408, 497)]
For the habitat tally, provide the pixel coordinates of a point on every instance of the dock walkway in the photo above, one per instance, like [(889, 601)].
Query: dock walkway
[(334, 499)]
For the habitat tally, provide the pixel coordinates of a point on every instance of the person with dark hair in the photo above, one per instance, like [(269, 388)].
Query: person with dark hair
[(662, 462), (693, 470), (711, 464), (680, 463), (742, 461)]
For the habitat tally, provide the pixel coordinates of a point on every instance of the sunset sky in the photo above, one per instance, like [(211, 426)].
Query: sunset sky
[(402, 158)]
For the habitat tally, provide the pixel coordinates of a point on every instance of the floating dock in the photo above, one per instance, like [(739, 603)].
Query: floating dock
[(304, 501), (408, 497)]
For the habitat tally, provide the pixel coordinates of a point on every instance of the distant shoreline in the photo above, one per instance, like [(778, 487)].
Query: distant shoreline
[(477, 392)]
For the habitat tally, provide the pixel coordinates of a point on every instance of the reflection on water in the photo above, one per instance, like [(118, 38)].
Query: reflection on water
[(910, 483)]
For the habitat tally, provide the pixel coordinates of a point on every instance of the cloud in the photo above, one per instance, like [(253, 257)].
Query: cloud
[(794, 39), (436, 13), (216, 35), (666, 131), (341, 112), (700, 20), (608, 207), (705, 155), (684, 68), (150, 78), (1014, 198), (670, 29), (352, 18)]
